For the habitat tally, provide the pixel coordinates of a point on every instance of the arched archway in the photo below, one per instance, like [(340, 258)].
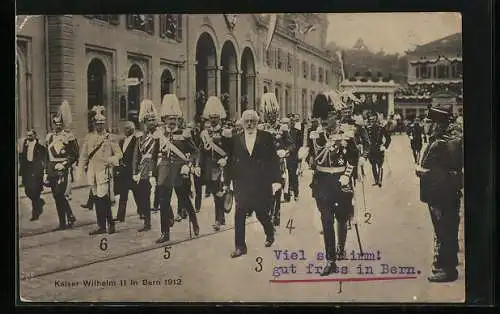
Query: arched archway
[(96, 84), (135, 87), (229, 76), (206, 68), (167, 83), (248, 79)]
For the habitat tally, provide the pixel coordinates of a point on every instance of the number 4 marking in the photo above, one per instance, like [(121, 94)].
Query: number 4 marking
[(289, 225)]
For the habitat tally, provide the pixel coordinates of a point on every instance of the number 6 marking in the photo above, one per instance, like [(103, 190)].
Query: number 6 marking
[(104, 244)]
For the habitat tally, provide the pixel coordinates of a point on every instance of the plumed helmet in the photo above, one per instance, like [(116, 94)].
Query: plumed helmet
[(147, 111), (269, 105), (321, 107), (170, 106), (63, 116), (99, 116), (214, 107)]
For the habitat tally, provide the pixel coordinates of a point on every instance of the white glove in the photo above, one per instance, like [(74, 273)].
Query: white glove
[(411, 137), (45, 177), (282, 153), (152, 181), (276, 187), (222, 162), (185, 170), (314, 135), (136, 177), (59, 166), (344, 180), (362, 161), (197, 171), (382, 148)]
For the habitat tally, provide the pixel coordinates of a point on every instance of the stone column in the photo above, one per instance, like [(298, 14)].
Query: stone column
[(218, 84), (251, 91), (238, 95), (390, 103), (61, 42), (234, 91)]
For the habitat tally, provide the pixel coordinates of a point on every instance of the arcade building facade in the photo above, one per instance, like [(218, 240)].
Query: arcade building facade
[(434, 76), (118, 60)]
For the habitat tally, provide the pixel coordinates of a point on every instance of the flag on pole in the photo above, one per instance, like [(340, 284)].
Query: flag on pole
[(270, 29), (341, 60)]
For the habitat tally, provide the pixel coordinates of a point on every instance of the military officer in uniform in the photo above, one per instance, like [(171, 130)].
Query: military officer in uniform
[(99, 155), (293, 159), (284, 146), (144, 162), (333, 158), (417, 136), (379, 143), (441, 181), (214, 145), (174, 167), (31, 164), (62, 153)]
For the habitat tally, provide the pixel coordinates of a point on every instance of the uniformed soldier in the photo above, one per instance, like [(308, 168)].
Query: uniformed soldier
[(197, 180), (62, 153), (333, 159), (417, 137), (284, 146), (214, 145), (144, 161), (99, 155), (379, 143), (293, 161), (91, 128), (441, 181), (158, 132), (174, 167)]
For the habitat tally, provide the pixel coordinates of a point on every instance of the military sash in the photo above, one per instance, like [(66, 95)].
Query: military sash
[(209, 144), (170, 147), (147, 147)]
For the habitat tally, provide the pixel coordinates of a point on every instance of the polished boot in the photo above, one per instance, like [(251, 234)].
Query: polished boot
[(98, 231), (238, 253), (164, 238), (111, 228), (443, 276)]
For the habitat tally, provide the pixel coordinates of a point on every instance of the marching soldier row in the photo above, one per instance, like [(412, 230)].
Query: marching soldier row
[(256, 164)]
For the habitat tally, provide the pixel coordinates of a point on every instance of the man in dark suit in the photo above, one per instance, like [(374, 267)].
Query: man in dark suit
[(254, 168), (31, 166), (128, 145), (379, 142), (441, 184), (417, 136)]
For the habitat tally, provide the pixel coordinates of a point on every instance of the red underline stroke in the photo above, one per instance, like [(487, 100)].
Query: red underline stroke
[(341, 279)]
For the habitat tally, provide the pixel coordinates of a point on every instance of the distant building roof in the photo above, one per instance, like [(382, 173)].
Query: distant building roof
[(448, 45)]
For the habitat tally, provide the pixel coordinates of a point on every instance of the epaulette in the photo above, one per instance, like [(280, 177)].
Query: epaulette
[(69, 136), (260, 126), (313, 135), (228, 133), (186, 133)]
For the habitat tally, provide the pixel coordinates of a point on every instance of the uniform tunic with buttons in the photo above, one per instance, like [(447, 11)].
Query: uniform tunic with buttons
[(169, 163), (333, 158), (62, 150), (209, 155)]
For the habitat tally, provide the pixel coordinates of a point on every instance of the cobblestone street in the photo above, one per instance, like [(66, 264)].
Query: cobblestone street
[(59, 266)]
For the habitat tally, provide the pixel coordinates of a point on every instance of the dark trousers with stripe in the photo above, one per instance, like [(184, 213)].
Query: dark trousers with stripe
[(58, 186)]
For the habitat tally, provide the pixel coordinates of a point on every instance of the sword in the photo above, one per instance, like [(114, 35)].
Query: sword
[(359, 239)]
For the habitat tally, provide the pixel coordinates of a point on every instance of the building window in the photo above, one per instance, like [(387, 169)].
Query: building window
[(423, 72), (171, 26), (326, 77), (313, 72), (289, 63), (442, 71), (269, 58), (304, 69), (418, 72), (279, 62), (111, 19), (304, 103), (141, 22), (459, 69), (434, 72), (320, 75)]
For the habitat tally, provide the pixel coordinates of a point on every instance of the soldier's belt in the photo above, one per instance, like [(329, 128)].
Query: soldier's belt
[(331, 170), (57, 159)]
